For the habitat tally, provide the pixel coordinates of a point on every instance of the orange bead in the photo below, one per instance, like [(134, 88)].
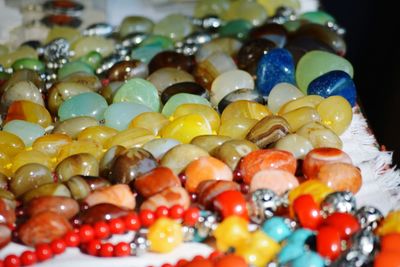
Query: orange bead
[(206, 168), (391, 242), (10, 144), (387, 259), (264, 159), (99, 133), (28, 111), (51, 144), (341, 177), (230, 261)]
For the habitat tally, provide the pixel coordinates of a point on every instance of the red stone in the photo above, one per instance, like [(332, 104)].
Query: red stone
[(345, 223), (328, 242), (231, 203), (307, 211)]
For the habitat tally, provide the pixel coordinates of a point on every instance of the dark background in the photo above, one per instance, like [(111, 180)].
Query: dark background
[(371, 27)]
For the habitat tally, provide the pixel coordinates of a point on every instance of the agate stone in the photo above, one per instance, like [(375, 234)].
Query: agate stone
[(119, 115), (184, 87), (134, 24), (240, 94), (85, 104), (73, 67), (273, 32), (182, 98), (171, 59), (27, 131), (248, 10), (319, 17), (238, 28), (28, 63), (174, 26), (251, 52)]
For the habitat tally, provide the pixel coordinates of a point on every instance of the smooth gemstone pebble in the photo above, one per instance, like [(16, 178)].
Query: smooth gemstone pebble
[(86, 44), (81, 146), (98, 133), (86, 79), (245, 109), (341, 177), (251, 52), (65, 32), (240, 94), (133, 24), (205, 168), (273, 32), (229, 203), (72, 127), (165, 235), (227, 45), (6, 60), (182, 98), (281, 94), (22, 90), (279, 181), (77, 164), (301, 116), (174, 26), (305, 101), (276, 228), (79, 187), (85, 104), (93, 59), (5, 172), (231, 151), (390, 224), (315, 63), (298, 145), (211, 7), (109, 90), (171, 59), (23, 76), (184, 87), (119, 195), (277, 66), (320, 135), (61, 205), (228, 82), (231, 232), (208, 190), (101, 212), (247, 10), (51, 144), (206, 111), (345, 223), (290, 252), (162, 78), (272, 5), (209, 142), (28, 111), (334, 83), (127, 69), (10, 144), (180, 156), (147, 50), (132, 137), (169, 197), (237, 128), (28, 63), (108, 158), (316, 188), (152, 121), (28, 177), (31, 156), (119, 115), (339, 118), (328, 242), (310, 259), (158, 147), (238, 28), (212, 66), (318, 16), (138, 91), (186, 127), (74, 67), (27, 131)]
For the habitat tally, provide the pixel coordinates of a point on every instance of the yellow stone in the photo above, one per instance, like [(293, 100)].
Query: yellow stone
[(86, 44), (208, 112), (245, 109), (301, 116), (51, 144), (305, 101), (165, 235), (22, 52), (5, 164), (10, 144), (31, 156), (391, 224), (133, 137), (98, 133), (68, 33), (152, 121), (81, 146), (231, 233), (336, 113), (237, 128)]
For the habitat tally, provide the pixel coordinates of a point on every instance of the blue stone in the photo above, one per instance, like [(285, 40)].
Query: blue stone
[(300, 236), (85, 104), (276, 228), (277, 66), (308, 259), (335, 82), (290, 252)]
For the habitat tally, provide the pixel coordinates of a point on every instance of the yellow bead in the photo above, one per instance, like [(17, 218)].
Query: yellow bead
[(10, 144), (133, 137), (336, 113), (231, 232), (305, 101), (152, 121), (237, 128), (301, 116), (24, 51), (5, 164), (165, 235), (208, 112), (80, 146), (391, 224), (259, 249), (245, 109), (51, 144), (187, 127), (31, 156), (99, 133)]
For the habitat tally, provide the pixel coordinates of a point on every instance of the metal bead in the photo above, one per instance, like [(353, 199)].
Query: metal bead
[(336, 28), (263, 205), (132, 40), (109, 61), (339, 202), (206, 224), (198, 38), (369, 217), (188, 233), (98, 29), (57, 50), (140, 245), (187, 49), (282, 15), (211, 23)]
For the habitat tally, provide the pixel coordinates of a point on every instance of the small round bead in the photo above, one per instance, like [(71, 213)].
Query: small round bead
[(345, 223), (28, 258), (12, 261), (215, 254), (43, 252), (101, 230), (328, 242), (58, 246), (162, 211), (191, 216), (198, 258), (72, 239), (93, 247), (307, 211), (122, 249), (117, 226), (106, 250), (86, 233), (132, 222), (147, 217), (176, 212), (167, 265), (181, 263)]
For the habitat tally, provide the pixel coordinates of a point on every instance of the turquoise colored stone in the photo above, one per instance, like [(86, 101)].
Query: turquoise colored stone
[(93, 59), (276, 228), (238, 28), (138, 90), (309, 259), (151, 46), (85, 104), (29, 63), (182, 98), (290, 252), (335, 82), (299, 236), (73, 67), (119, 115), (319, 17), (174, 26), (316, 63), (277, 66), (134, 24), (27, 131)]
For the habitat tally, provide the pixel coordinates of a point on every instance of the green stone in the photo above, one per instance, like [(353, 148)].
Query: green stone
[(180, 99), (27, 131), (92, 58), (211, 7), (28, 63), (135, 24), (85, 104), (319, 17), (119, 115), (174, 26), (151, 46), (73, 67), (162, 41), (248, 10), (138, 90), (238, 28), (316, 63)]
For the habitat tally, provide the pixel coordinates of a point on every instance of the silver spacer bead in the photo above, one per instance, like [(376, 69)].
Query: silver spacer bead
[(206, 224), (343, 202), (99, 29), (263, 205), (188, 233), (140, 245), (369, 217), (56, 50)]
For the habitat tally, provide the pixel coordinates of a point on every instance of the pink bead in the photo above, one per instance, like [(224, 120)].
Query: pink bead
[(276, 180)]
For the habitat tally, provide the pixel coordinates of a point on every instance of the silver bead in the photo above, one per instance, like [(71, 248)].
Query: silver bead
[(343, 202), (187, 49), (109, 61), (140, 245), (198, 38), (132, 40), (206, 224), (188, 233), (98, 29), (209, 23), (57, 50), (263, 205), (282, 15), (369, 217), (336, 28)]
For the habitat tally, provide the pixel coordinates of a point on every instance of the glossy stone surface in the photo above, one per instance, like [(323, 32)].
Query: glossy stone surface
[(232, 151), (334, 83), (119, 115), (98, 134), (134, 24), (272, 6), (251, 52), (206, 111), (101, 212), (244, 109), (341, 177), (298, 145), (279, 181), (273, 32), (301, 116), (152, 121), (277, 228), (169, 197), (151, 46), (275, 67), (182, 98), (83, 78), (61, 205), (209, 189), (158, 147), (320, 135), (247, 10), (28, 177), (7, 59), (28, 111), (162, 78), (72, 127), (93, 59), (317, 189), (10, 143), (129, 138), (22, 90), (74, 67), (229, 46), (237, 128), (31, 156), (211, 7), (238, 28), (240, 94), (281, 94), (125, 70), (184, 87), (86, 44), (156, 181), (80, 146), (209, 142), (319, 17), (231, 232), (305, 101), (165, 235), (337, 119), (119, 195), (174, 26), (85, 104), (78, 164), (28, 63), (27, 131), (171, 59), (315, 63)]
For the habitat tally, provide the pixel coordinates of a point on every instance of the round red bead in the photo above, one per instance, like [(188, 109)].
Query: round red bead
[(28, 258), (230, 260), (198, 258), (176, 212), (307, 211), (106, 250), (167, 265), (181, 263), (328, 242), (162, 211), (391, 242), (72, 239), (58, 246), (146, 217), (12, 261), (117, 226), (86, 233), (43, 252), (231, 203), (101, 230), (345, 223), (387, 259), (215, 254), (122, 249), (132, 222), (191, 216), (93, 247)]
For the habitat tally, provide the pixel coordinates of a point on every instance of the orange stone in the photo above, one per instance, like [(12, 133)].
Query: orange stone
[(28, 111), (341, 177)]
